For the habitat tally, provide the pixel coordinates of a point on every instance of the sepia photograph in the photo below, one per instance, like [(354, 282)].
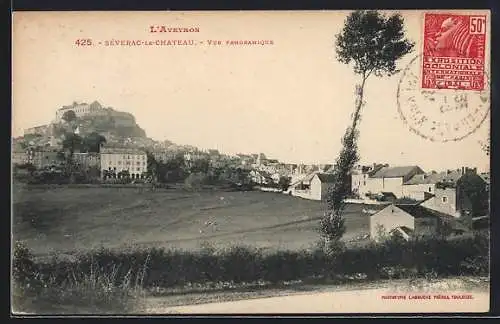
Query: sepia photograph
[(250, 162)]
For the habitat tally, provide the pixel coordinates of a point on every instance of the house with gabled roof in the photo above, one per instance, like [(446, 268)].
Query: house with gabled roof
[(391, 179), (260, 177), (314, 186), (411, 221), (320, 184), (460, 193), (360, 175), (420, 184)]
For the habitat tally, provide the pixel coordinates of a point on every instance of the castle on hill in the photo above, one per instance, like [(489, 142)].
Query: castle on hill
[(80, 109)]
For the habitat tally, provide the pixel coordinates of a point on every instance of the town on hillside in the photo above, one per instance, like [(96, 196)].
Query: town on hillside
[(247, 172), (79, 147)]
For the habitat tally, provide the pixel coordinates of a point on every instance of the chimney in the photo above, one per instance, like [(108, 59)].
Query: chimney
[(463, 170)]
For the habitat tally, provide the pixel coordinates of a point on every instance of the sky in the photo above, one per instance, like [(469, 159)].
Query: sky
[(291, 100)]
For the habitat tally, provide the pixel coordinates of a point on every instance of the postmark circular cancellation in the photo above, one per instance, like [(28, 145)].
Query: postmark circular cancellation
[(440, 115)]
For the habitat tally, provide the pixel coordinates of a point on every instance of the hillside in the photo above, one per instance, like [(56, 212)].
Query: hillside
[(119, 128), (111, 122), (106, 121)]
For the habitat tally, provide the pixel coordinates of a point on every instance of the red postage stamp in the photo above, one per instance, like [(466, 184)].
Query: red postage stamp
[(453, 51)]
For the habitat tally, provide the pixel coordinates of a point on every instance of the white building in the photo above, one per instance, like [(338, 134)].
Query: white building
[(407, 220), (320, 184), (315, 186), (80, 109), (117, 160), (359, 178), (164, 155), (420, 186), (391, 179), (260, 177)]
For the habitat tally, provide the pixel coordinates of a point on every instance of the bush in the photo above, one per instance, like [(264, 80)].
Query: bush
[(60, 287), (110, 275), (195, 181), (23, 268)]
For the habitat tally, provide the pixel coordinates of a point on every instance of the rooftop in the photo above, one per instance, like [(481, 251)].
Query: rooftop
[(405, 229), (415, 210), (427, 178), (485, 176), (418, 211), (117, 150), (326, 177), (396, 172), (449, 176), (95, 104)]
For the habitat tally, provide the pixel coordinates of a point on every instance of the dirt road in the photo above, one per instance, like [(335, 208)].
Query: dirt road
[(444, 296)]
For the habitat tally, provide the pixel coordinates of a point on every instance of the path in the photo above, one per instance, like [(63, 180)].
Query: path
[(345, 301)]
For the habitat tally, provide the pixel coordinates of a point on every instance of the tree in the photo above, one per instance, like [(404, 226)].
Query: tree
[(284, 183), (242, 176), (92, 142), (172, 169), (69, 116), (472, 190), (71, 143), (372, 43), (485, 146), (332, 225), (200, 165), (152, 167)]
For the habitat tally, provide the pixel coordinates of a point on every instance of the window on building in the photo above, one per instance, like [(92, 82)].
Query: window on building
[(119, 162), (444, 199), (138, 169), (138, 163), (430, 189), (364, 183)]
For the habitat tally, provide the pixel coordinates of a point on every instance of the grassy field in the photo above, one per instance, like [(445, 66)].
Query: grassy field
[(67, 219)]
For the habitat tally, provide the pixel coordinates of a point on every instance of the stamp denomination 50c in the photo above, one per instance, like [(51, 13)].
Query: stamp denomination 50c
[(453, 51)]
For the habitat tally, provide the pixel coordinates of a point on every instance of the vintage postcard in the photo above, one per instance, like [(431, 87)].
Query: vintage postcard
[(251, 162)]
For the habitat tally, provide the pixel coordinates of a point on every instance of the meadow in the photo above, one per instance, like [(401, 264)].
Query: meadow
[(63, 219), (173, 242)]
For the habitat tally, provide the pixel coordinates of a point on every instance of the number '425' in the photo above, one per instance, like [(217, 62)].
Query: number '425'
[(83, 42)]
